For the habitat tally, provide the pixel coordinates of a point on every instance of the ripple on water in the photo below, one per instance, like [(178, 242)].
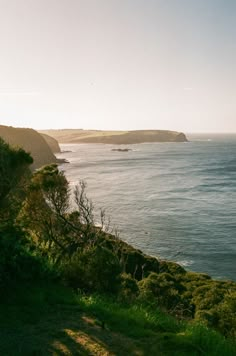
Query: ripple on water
[(174, 201)]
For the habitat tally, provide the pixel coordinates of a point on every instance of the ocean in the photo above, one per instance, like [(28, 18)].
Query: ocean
[(175, 201)]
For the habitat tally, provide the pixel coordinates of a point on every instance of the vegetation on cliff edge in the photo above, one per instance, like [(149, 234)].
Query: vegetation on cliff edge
[(75, 288)]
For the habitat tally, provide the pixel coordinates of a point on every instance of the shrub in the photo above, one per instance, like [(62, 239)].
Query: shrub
[(95, 269), (17, 263), (226, 313), (128, 289), (160, 287)]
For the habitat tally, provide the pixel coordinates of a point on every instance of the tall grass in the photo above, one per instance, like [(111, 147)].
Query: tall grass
[(135, 321), (209, 342), (167, 334)]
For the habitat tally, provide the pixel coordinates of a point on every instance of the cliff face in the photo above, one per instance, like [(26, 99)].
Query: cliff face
[(116, 137), (52, 143), (31, 141)]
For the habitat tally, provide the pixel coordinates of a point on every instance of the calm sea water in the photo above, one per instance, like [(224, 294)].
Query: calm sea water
[(176, 201)]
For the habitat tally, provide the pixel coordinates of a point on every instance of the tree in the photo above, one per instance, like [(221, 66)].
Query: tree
[(58, 229), (69, 237), (16, 261)]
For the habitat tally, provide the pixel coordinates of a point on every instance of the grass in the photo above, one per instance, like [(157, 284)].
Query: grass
[(135, 321), (71, 134), (51, 320)]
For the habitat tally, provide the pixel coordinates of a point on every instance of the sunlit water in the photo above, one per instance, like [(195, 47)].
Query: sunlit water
[(176, 201)]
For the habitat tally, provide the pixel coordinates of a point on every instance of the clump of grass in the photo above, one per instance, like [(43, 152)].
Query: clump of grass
[(209, 342), (135, 321)]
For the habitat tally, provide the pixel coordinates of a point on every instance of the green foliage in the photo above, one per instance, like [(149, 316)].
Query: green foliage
[(93, 269), (57, 230), (162, 289), (133, 261), (17, 263), (87, 258), (164, 334), (207, 296), (136, 320), (44, 220), (172, 268), (93, 261), (14, 163), (129, 290), (69, 238), (53, 187), (41, 293), (226, 313), (50, 315), (209, 342), (215, 303)]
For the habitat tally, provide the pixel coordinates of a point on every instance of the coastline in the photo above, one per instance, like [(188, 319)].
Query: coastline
[(178, 214)]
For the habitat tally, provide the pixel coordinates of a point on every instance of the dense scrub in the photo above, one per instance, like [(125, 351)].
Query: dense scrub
[(43, 239), (19, 260)]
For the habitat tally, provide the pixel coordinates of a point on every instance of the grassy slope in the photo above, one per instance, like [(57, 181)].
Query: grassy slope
[(53, 321), (72, 135)]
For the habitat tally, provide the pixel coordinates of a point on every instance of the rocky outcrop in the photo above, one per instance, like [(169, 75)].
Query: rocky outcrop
[(121, 149), (31, 141), (116, 137), (52, 143)]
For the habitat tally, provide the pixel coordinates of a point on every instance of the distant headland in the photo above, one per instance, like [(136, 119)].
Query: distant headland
[(115, 137)]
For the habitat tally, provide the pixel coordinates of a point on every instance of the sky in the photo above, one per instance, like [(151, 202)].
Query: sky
[(118, 64)]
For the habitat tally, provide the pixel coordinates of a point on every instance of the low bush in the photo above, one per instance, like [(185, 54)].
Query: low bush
[(95, 269), (129, 290)]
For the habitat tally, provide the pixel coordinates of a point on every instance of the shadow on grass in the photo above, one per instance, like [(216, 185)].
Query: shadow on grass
[(53, 321), (60, 330)]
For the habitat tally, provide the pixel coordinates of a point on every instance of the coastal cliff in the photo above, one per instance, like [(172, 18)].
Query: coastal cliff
[(115, 137), (31, 141), (52, 143), (72, 283)]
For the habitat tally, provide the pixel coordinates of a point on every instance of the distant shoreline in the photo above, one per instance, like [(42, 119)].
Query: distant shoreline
[(115, 137)]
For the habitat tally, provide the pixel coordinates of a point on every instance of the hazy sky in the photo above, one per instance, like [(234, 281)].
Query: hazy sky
[(118, 64)]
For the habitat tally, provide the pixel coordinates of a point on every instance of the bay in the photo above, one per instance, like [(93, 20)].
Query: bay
[(175, 201)]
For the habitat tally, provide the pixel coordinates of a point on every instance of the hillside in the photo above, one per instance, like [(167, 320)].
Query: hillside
[(52, 143), (115, 137), (54, 321), (68, 287), (31, 141)]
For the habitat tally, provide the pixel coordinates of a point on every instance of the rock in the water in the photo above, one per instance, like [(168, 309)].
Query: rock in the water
[(121, 149)]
